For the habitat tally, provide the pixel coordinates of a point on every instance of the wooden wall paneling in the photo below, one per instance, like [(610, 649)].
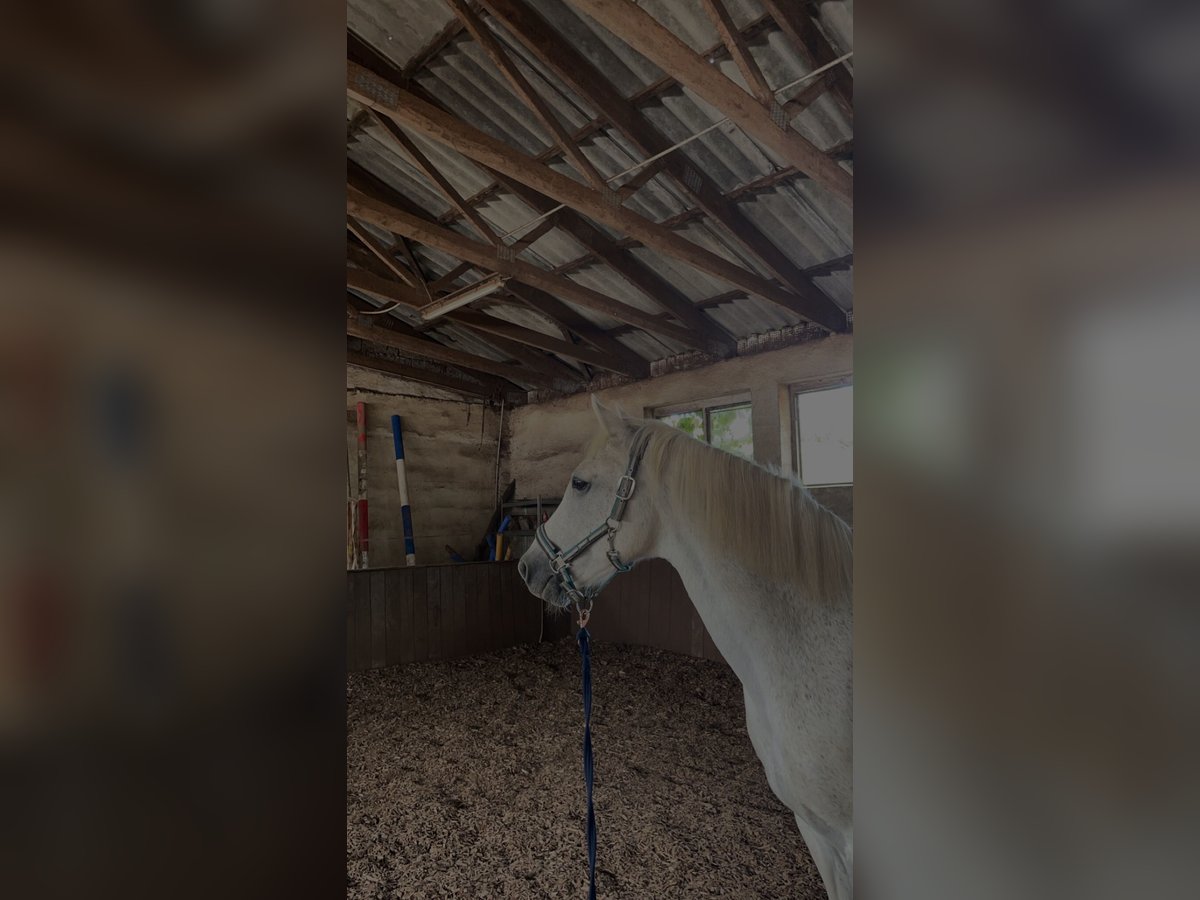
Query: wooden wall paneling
[(452, 617), (658, 603), (362, 620), (378, 618), (433, 602), (471, 588), (696, 648), (394, 628), (680, 637), (508, 588), (420, 618), (351, 645), (490, 593), (408, 628)]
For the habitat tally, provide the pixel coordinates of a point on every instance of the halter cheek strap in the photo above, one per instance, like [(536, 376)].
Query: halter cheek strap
[(560, 560)]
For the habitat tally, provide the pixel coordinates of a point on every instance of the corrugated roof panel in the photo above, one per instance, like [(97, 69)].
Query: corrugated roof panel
[(398, 29), (804, 221)]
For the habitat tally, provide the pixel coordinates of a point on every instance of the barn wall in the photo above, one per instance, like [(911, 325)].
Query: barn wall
[(450, 457), (546, 440), (416, 613)]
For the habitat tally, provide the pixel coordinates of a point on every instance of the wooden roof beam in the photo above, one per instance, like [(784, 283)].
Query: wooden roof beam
[(505, 332), (645, 34), (798, 24), (569, 319), (406, 108), (380, 252), (739, 51), (586, 80), (524, 90), (645, 95), (440, 181), (429, 349), (483, 386), (420, 230), (628, 267)]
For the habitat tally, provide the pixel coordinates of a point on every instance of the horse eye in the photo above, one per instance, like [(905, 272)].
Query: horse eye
[(579, 484)]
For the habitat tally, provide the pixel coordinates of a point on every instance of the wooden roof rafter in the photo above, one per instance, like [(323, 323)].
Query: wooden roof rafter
[(408, 109), (647, 36), (506, 332), (540, 108), (589, 83)]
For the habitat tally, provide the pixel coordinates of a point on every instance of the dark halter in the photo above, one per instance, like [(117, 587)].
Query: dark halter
[(560, 560)]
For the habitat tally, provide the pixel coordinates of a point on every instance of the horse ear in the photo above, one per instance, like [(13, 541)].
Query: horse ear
[(614, 421)]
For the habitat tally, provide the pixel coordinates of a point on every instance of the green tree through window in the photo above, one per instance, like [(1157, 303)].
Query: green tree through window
[(725, 427)]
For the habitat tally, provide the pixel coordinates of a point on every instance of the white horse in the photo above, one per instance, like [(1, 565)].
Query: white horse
[(769, 570)]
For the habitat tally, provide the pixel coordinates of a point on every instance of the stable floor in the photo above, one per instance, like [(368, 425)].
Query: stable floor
[(464, 780)]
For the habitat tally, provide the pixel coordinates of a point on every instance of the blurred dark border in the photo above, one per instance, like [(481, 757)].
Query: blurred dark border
[(1027, 512), (172, 397)]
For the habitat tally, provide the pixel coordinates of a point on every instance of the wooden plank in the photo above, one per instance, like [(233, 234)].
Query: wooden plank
[(393, 616), (430, 349), (525, 91), (485, 388), (490, 325), (696, 644), (407, 648), (567, 318), (421, 230), (483, 612), (739, 50), (362, 620), (645, 34), (408, 109), (433, 587), (509, 585), (814, 47), (458, 603), (420, 619), (597, 90), (440, 181), (628, 267), (683, 614), (379, 250), (378, 618), (531, 607), (513, 340), (658, 598), (633, 618), (645, 96), (351, 645), (607, 624)]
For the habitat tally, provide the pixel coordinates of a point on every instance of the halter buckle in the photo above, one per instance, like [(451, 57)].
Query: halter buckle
[(557, 564), (622, 492)]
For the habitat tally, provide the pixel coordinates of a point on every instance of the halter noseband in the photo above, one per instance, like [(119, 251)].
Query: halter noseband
[(560, 560)]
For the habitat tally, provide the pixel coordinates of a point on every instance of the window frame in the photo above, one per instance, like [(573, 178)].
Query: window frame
[(813, 386), (706, 408)]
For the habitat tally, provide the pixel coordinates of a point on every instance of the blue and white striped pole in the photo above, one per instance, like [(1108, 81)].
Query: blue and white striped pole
[(410, 550)]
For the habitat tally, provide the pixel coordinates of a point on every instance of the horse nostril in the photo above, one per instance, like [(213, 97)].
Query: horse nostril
[(523, 570)]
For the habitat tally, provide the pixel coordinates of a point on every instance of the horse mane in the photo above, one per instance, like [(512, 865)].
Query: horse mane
[(721, 494)]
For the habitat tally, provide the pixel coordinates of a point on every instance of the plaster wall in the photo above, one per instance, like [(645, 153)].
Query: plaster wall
[(450, 458), (546, 440)]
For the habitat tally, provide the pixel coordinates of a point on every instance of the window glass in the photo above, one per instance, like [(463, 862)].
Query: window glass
[(691, 422), (729, 429), (725, 427), (825, 435)]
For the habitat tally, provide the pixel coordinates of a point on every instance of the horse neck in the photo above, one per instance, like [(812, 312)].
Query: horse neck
[(750, 618)]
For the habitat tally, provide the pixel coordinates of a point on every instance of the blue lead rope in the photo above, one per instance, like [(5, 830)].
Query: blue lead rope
[(588, 770)]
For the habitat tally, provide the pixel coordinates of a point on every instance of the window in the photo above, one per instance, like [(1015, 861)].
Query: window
[(726, 425), (824, 421)]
